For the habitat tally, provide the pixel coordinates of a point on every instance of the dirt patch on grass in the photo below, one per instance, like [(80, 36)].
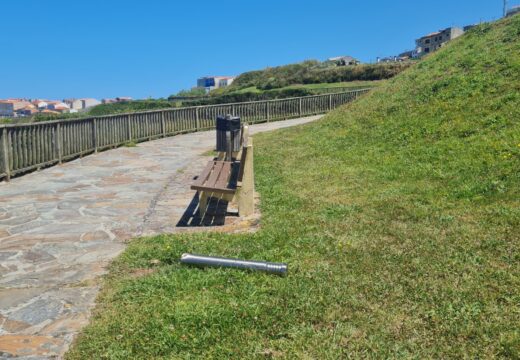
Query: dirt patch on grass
[(138, 273)]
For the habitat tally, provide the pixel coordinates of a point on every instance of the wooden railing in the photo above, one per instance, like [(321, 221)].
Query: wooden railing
[(28, 147)]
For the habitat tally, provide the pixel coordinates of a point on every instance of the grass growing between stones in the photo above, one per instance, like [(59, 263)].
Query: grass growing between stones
[(399, 215)]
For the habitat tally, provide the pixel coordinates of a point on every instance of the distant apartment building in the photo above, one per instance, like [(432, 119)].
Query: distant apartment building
[(514, 10), (436, 40), (25, 108), (6, 108), (12, 107), (29, 110), (58, 106), (214, 82), (40, 104), (81, 104)]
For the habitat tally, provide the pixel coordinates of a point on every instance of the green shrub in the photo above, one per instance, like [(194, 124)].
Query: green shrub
[(130, 106), (314, 72)]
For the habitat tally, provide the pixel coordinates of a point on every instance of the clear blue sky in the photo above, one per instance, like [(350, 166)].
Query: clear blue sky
[(109, 48)]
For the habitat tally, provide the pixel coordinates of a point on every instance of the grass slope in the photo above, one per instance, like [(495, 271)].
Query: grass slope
[(314, 72), (398, 214)]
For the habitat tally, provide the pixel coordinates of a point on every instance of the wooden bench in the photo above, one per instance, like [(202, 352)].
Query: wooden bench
[(229, 180)]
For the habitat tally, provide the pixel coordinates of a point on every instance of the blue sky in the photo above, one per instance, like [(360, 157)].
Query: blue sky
[(153, 48)]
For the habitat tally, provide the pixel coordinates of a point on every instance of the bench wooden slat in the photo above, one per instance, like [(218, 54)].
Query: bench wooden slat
[(217, 178), (223, 179), (213, 177), (205, 173)]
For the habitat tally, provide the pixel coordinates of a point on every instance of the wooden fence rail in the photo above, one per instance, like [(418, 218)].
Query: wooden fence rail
[(27, 147)]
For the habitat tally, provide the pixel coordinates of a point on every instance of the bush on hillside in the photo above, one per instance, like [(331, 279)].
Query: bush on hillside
[(313, 72), (130, 106), (250, 96), (50, 117), (193, 92)]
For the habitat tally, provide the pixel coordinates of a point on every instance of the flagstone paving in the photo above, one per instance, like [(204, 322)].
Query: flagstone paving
[(61, 226)]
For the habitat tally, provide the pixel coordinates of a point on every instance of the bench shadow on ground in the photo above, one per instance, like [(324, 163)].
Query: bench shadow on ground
[(216, 213)]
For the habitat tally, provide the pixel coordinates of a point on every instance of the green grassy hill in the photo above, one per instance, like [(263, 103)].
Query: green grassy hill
[(314, 72), (302, 79), (399, 216)]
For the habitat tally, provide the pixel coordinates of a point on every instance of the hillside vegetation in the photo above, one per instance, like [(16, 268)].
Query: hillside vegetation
[(399, 216), (313, 72), (130, 106), (223, 96), (304, 79)]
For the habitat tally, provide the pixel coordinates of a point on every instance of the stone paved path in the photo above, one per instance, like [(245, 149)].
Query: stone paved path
[(61, 226)]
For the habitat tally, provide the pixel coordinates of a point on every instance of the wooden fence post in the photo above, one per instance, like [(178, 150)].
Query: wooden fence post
[(330, 102), (233, 110), (57, 134), (129, 122), (147, 125), (94, 135), (163, 124), (5, 146), (197, 119), (300, 107), (267, 110)]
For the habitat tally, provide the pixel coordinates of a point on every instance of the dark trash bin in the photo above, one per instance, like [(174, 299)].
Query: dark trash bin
[(228, 124)]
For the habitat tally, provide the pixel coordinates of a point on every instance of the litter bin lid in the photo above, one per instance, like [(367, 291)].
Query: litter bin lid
[(228, 123)]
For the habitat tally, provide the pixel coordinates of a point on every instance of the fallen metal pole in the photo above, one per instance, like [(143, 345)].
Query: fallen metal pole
[(274, 268)]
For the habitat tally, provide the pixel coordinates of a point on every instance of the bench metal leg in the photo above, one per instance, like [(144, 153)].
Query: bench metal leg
[(203, 203)]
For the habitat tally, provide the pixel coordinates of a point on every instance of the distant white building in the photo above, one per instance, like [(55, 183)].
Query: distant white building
[(75, 104), (88, 103), (225, 81), (58, 106), (214, 82), (513, 10), (82, 104), (436, 40), (40, 104)]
